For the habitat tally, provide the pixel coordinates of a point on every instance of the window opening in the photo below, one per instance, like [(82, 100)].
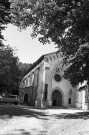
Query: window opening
[(69, 100)]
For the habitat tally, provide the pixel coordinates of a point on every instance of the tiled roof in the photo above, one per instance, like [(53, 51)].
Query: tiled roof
[(35, 64)]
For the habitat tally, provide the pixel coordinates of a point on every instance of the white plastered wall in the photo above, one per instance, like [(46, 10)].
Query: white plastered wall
[(64, 85)]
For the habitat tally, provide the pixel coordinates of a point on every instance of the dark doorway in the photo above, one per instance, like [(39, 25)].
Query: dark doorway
[(26, 98), (56, 98)]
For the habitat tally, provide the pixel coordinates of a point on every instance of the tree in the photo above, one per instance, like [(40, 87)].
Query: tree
[(4, 17), (23, 67), (64, 22), (9, 71)]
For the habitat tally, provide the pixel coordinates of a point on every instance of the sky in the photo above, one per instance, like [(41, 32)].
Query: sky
[(27, 49)]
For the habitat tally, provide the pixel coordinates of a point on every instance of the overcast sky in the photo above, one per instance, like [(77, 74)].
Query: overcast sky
[(28, 49)]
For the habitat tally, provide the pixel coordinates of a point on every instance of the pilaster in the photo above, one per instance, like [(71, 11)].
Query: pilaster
[(84, 100), (40, 89), (35, 84)]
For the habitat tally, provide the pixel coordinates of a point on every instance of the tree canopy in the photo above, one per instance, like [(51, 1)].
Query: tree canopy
[(4, 16), (23, 67), (64, 22), (9, 71)]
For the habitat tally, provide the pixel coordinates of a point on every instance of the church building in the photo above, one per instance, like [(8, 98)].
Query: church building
[(44, 86)]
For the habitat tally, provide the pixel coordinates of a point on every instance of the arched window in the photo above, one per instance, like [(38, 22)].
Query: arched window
[(46, 59), (54, 57), (57, 55), (50, 58)]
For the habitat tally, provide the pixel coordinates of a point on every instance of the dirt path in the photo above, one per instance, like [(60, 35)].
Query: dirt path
[(18, 120)]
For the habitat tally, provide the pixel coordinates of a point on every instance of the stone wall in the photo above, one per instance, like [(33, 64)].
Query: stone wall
[(22, 92)]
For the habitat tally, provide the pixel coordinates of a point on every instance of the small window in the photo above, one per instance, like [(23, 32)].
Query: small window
[(45, 93), (46, 59), (26, 82), (57, 77), (50, 58), (69, 100), (54, 57), (57, 56)]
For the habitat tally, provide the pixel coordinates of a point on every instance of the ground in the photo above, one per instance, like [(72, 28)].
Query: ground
[(24, 120)]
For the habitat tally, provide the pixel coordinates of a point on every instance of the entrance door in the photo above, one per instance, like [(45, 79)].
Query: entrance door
[(26, 98), (56, 98)]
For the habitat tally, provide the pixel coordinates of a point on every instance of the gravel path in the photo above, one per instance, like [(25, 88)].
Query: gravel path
[(21, 120)]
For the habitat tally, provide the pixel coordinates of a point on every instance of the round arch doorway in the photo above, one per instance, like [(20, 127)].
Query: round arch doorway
[(56, 98), (26, 98)]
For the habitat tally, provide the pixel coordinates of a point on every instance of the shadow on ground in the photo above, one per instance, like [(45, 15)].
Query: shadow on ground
[(22, 132), (80, 115), (8, 111)]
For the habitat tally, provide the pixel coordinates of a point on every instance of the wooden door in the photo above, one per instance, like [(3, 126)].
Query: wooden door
[(56, 98), (26, 98)]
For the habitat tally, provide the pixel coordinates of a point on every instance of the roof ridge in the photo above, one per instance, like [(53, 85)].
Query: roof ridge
[(37, 62)]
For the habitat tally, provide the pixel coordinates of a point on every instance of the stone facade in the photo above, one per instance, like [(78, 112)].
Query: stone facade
[(44, 85)]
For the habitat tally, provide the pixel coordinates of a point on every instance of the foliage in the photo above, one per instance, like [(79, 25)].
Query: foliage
[(23, 67), (9, 71), (4, 16), (79, 70), (64, 22)]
